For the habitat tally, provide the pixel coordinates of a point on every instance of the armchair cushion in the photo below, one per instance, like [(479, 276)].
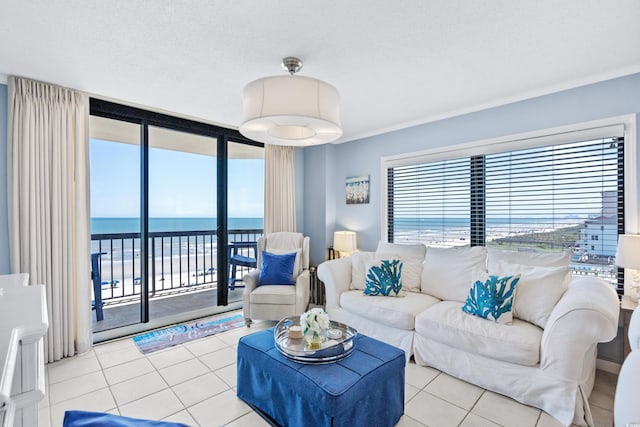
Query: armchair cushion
[(277, 269)]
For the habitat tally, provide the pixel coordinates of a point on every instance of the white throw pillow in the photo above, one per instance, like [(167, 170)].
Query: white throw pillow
[(413, 251), (297, 266), (411, 270), (359, 268), (448, 273), (539, 290), (540, 259)]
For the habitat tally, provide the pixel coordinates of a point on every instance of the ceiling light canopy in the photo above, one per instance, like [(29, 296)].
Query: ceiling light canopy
[(291, 110)]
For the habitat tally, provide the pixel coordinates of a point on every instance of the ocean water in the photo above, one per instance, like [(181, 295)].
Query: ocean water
[(132, 225)]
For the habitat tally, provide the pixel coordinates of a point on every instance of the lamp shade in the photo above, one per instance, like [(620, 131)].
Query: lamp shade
[(291, 110), (344, 241), (628, 252)]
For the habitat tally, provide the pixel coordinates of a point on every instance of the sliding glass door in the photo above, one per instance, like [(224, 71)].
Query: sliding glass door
[(175, 204)]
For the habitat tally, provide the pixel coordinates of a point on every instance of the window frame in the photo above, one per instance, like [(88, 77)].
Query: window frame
[(597, 129)]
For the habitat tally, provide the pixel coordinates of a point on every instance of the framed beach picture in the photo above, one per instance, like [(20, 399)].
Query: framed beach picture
[(357, 189)]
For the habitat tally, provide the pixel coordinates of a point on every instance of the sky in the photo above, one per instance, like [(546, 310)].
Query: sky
[(180, 184)]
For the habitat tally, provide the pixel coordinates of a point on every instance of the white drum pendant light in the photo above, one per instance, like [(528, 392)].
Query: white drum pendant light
[(291, 110)]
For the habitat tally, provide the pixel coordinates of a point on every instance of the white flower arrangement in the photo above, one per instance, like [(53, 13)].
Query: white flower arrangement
[(315, 320)]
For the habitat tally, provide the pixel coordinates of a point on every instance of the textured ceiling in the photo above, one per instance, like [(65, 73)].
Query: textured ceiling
[(395, 63)]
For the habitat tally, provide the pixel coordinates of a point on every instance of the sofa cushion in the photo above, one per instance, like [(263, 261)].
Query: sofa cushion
[(448, 273), (447, 324), (384, 277), (540, 259), (491, 298), (394, 312), (402, 250), (273, 294), (359, 268), (411, 269), (539, 289)]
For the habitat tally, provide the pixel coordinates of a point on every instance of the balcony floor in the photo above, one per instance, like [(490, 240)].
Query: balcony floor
[(119, 315)]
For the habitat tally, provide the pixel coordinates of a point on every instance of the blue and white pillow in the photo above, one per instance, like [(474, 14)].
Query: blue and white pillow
[(384, 277), (493, 298)]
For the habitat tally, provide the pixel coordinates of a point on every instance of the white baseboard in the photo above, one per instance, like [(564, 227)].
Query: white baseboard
[(605, 365)]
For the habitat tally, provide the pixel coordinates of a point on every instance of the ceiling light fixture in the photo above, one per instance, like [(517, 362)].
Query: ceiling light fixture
[(291, 110)]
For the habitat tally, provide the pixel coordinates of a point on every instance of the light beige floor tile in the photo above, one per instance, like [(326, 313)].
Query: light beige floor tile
[(504, 411), (602, 417), (228, 374), (547, 420), (138, 387), (153, 407), (219, 409), (409, 392), (473, 420), (232, 337), (74, 387), (100, 400), (602, 399), (419, 376), (205, 345), (119, 356), (406, 421), (198, 389), (183, 371), (183, 417), (606, 382), (126, 371), (170, 356), (455, 391), (434, 412), (117, 345), (219, 359), (72, 367), (252, 419)]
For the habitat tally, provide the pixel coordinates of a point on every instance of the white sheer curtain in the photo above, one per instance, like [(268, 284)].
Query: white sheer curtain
[(48, 173), (279, 189)]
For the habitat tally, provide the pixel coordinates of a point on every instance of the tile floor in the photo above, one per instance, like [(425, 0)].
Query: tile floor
[(195, 384)]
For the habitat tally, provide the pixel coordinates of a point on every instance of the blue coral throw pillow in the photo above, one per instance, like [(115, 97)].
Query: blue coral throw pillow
[(493, 298), (384, 277)]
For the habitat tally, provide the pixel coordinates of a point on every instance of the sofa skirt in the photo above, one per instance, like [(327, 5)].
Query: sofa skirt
[(565, 400)]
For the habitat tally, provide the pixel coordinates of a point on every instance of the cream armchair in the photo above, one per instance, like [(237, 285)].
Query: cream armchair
[(273, 302)]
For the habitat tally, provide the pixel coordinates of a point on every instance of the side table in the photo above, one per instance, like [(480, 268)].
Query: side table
[(627, 305)]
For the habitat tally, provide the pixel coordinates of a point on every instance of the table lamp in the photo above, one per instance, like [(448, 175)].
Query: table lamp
[(628, 256), (344, 242)]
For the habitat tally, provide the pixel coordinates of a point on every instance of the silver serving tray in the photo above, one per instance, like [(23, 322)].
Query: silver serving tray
[(330, 351)]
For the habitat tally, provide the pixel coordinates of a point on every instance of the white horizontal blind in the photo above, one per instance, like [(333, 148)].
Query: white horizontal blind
[(563, 197)]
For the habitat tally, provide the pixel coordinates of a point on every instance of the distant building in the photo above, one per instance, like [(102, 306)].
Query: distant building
[(599, 235)]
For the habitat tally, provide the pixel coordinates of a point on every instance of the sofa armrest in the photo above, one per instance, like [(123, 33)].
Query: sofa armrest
[(336, 276), (586, 314), (634, 330), (303, 283)]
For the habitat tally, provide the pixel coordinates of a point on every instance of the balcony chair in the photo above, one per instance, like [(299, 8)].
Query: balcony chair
[(238, 258), (275, 301)]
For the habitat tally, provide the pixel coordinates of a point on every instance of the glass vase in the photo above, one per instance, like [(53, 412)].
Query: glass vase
[(315, 339)]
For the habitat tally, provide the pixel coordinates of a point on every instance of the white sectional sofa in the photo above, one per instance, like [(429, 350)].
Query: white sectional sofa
[(544, 358)]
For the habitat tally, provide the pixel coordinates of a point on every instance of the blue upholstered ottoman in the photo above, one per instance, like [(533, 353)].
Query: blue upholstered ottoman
[(100, 419), (364, 389)]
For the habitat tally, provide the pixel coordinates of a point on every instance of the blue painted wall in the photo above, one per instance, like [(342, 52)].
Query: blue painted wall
[(597, 101), (4, 226)]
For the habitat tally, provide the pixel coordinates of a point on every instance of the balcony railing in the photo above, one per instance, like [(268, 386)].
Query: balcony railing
[(180, 261)]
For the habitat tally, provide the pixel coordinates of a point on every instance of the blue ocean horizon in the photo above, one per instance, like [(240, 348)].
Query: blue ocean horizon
[(104, 225)]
